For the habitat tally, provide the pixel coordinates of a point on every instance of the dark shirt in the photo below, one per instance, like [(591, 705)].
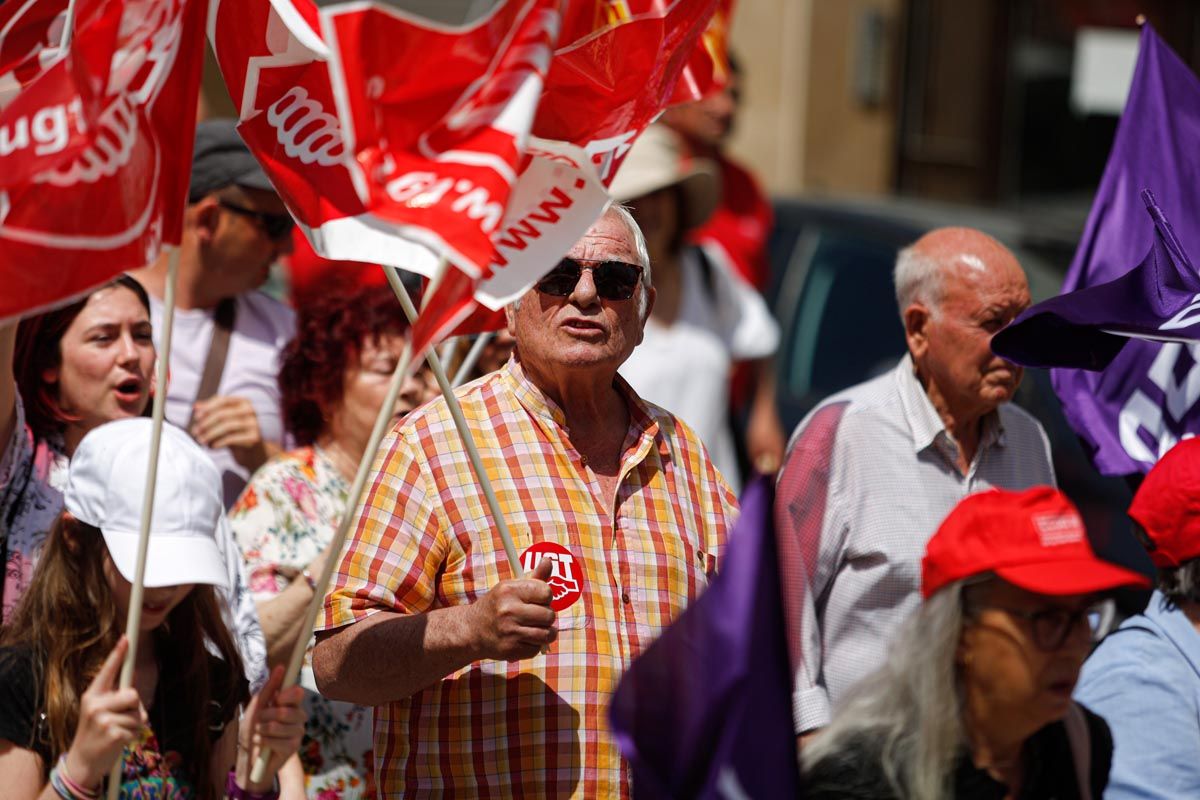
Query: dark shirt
[(857, 774), (22, 705)]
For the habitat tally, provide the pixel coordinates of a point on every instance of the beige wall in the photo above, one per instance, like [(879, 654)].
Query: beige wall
[(803, 127)]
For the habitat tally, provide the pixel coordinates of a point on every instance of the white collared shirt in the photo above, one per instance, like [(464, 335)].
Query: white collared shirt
[(869, 476)]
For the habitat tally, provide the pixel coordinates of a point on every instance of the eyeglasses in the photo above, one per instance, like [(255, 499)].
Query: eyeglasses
[(276, 226), (1052, 626), (614, 280)]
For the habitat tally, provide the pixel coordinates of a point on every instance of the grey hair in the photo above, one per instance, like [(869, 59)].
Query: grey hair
[(911, 707), (918, 279), (623, 214), (643, 253)]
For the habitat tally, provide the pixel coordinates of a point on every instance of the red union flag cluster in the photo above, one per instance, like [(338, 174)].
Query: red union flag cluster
[(397, 140), (93, 176)]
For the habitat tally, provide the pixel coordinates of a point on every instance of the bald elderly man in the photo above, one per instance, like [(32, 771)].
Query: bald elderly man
[(871, 472)]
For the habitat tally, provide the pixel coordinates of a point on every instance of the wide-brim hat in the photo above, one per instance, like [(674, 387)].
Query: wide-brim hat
[(105, 487), (659, 159)]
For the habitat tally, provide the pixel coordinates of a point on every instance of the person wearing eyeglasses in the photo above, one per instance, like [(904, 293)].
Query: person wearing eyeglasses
[(486, 683), (974, 699), (225, 350), (706, 317), (1145, 677)]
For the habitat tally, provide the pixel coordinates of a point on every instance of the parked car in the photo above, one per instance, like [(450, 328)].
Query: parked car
[(833, 295)]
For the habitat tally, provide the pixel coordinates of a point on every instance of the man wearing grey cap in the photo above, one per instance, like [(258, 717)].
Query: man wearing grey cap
[(228, 335)]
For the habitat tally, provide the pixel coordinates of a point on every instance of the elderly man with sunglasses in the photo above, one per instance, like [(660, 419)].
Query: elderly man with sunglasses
[(228, 335), (486, 684)]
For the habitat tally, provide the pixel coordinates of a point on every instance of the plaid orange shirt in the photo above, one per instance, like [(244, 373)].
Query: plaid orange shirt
[(539, 727)]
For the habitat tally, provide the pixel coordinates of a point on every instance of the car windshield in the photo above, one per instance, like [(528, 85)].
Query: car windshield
[(847, 327)]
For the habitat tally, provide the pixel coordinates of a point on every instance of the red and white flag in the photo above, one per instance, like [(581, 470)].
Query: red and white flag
[(708, 69), (95, 141), (397, 140)]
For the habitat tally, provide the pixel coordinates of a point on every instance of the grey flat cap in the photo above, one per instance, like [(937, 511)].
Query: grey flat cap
[(222, 159)]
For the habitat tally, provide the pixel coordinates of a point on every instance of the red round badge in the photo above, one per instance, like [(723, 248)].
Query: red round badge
[(566, 577)]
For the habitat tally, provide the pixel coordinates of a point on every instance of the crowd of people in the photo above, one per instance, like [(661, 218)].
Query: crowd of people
[(943, 600)]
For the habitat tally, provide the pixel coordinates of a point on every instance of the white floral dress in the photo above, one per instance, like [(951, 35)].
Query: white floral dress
[(285, 517)]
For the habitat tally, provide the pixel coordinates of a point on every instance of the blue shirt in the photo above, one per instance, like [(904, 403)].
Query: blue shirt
[(1144, 679)]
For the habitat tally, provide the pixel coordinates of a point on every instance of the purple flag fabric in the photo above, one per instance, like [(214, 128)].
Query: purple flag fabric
[(1145, 400), (706, 710), (1159, 300)]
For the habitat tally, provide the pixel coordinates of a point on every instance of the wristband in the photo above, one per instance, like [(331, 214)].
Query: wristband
[(235, 792), (66, 788)]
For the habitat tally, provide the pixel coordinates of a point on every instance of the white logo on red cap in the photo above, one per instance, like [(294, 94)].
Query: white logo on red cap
[(566, 577), (1059, 529)]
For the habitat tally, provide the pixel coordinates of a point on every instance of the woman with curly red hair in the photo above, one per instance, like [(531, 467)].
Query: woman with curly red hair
[(334, 378)]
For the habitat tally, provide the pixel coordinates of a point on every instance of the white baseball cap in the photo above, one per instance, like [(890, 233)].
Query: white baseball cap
[(105, 487)]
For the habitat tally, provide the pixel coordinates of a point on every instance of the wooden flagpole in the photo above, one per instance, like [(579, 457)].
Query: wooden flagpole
[(472, 358), (460, 422), (399, 374), (448, 347), (360, 480), (68, 28), (339, 537), (133, 619)]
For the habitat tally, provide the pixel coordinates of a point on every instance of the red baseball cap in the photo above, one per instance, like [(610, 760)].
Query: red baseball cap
[(1033, 539), (1167, 505)]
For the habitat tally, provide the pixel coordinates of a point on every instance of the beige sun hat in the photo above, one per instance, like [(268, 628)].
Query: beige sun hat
[(659, 159)]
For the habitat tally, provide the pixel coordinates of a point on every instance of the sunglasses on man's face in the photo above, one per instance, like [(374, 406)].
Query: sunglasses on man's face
[(276, 226), (614, 280)]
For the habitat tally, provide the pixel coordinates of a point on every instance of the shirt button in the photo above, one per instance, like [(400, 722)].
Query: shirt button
[(583, 460), (625, 597)]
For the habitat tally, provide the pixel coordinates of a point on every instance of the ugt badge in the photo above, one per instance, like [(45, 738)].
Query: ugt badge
[(566, 575)]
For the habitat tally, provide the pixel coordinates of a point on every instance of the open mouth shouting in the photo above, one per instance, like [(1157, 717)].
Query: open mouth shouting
[(129, 391)]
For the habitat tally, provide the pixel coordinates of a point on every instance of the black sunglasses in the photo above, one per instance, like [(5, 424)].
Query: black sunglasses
[(614, 280), (275, 226)]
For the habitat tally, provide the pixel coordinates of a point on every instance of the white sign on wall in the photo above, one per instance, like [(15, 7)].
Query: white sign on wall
[(1103, 69)]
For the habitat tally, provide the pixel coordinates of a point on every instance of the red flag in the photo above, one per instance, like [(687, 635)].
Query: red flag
[(619, 57), (50, 97), (708, 69), (396, 140), (116, 118)]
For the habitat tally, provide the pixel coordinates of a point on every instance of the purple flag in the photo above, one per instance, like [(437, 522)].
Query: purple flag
[(706, 710), (1158, 300), (1145, 400)]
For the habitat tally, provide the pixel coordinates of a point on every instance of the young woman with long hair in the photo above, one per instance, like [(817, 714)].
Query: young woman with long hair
[(74, 368), (63, 721)]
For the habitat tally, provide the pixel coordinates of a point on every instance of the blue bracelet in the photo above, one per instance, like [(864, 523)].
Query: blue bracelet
[(235, 792)]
